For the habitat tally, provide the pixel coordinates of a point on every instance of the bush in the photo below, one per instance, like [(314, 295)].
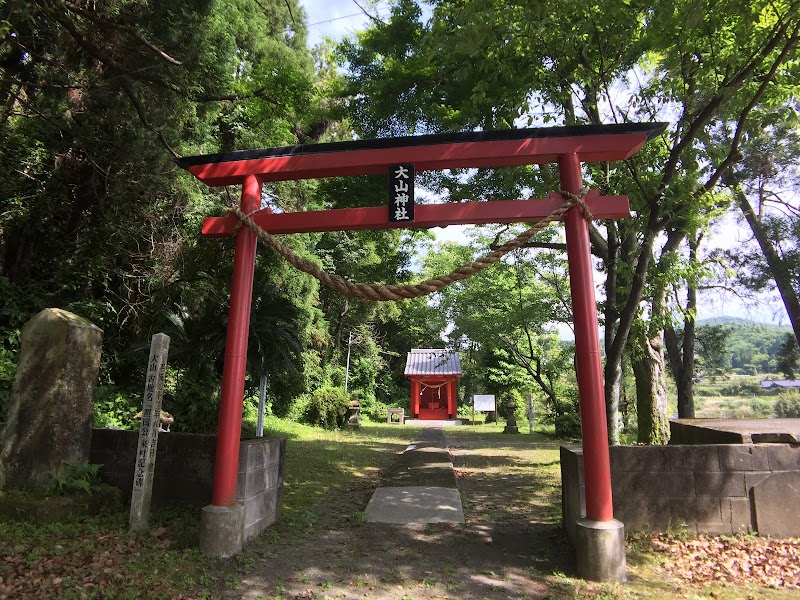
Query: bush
[(788, 405), (741, 388), (298, 409), (568, 426), (379, 412), (328, 407), (112, 408), (464, 411), (250, 415), (375, 411), (194, 406)]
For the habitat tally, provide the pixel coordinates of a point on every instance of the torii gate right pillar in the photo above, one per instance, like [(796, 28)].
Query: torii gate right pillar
[(600, 539)]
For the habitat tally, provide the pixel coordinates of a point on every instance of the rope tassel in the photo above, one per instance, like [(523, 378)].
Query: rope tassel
[(379, 292)]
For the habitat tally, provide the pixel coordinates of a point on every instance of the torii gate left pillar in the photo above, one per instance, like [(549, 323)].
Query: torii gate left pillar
[(222, 521), (600, 545)]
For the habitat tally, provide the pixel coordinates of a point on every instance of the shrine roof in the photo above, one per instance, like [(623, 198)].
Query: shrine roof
[(432, 361), (471, 149)]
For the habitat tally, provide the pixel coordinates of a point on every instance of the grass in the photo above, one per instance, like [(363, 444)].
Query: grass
[(98, 557), (319, 461), (733, 397)]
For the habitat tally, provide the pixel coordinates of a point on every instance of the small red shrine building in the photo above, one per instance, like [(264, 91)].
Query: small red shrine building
[(434, 375)]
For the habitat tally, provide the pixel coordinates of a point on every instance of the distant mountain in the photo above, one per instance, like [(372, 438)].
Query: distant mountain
[(737, 321), (750, 346)]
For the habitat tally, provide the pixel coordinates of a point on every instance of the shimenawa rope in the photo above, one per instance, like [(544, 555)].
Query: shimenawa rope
[(380, 292)]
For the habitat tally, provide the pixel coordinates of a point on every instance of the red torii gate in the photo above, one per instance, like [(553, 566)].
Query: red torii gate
[(567, 146)]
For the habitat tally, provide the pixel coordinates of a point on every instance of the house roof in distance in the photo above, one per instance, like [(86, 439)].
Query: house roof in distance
[(432, 361), (784, 383)]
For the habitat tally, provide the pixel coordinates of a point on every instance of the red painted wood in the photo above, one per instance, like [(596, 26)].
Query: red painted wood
[(597, 466), (226, 465), (430, 414), (496, 153), (426, 215), (432, 378)]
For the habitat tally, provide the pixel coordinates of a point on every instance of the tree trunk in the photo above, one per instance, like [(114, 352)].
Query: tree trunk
[(781, 275), (612, 383), (613, 371), (681, 358), (619, 321), (682, 364), (651, 388)]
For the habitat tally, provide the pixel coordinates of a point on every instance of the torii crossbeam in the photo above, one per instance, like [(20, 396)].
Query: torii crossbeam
[(566, 146)]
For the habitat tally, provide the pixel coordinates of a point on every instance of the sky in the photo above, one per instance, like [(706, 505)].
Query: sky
[(339, 18)]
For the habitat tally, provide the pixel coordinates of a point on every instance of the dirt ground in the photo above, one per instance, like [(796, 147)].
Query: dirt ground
[(512, 546), (511, 537)]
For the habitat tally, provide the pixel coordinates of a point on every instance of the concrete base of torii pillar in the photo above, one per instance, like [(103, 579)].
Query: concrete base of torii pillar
[(600, 550)]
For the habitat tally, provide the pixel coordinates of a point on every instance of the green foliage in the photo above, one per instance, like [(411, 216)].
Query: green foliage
[(788, 356), (328, 407), (8, 368), (376, 411), (299, 409), (752, 346), (364, 377), (568, 425), (112, 408), (72, 477), (96, 218), (706, 63), (741, 388), (788, 405), (712, 348), (250, 415), (195, 406)]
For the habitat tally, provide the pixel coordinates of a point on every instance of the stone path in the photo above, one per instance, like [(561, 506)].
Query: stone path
[(420, 487)]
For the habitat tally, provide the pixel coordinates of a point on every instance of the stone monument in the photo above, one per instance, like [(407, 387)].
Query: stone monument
[(354, 413), (50, 410), (530, 413), (511, 416)]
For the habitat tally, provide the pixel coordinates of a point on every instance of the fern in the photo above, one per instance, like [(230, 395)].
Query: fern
[(74, 477)]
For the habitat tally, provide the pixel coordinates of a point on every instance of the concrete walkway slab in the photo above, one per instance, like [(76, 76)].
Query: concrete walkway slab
[(415, 504), (420, 487), (431, 423)]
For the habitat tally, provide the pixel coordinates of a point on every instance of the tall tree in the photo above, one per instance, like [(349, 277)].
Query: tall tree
[(506, 314), (492, 64), (681, 350), (788, 356), (96, 98), (764, 186)]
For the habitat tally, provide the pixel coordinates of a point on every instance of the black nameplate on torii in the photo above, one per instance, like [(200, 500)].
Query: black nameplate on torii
[(401, 193)]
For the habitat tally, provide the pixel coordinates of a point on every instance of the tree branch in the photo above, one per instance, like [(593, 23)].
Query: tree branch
[(129, 92), (31, 84), (106, 24), (716, 100), (374, 19)]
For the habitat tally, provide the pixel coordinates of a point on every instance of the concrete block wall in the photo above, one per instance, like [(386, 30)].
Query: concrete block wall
[(717, 489), (260, 484), (185, 471)]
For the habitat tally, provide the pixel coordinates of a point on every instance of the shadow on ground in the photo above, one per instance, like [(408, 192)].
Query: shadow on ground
[(511, 544)]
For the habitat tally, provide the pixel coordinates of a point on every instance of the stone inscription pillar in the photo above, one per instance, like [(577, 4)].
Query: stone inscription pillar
[(145, 464)]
